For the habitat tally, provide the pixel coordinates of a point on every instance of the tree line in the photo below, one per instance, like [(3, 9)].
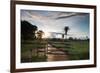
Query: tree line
[(29, 31)]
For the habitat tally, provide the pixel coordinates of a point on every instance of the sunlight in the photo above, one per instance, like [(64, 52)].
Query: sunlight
[(46, 35)]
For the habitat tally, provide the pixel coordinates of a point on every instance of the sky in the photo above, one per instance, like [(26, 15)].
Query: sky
[(52, 23)]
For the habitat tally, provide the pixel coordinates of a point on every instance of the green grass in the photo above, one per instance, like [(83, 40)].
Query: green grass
[(34, 59), (39, 58), (28, 46), (32, 44), (77, 50)]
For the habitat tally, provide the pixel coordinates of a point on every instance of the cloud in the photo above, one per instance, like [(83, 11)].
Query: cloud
[(64, 15), (52, 21)]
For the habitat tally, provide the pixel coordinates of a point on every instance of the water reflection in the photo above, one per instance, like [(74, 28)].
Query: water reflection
[(54, 54)]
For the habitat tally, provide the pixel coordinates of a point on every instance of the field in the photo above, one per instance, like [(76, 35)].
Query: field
[(30, 50), (54, 36), (36, 50)]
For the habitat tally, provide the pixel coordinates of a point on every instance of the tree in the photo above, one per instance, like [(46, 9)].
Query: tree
[(66, 30), (40, 34), (28, 30), (62, 36), (70, 38), (87, 38)]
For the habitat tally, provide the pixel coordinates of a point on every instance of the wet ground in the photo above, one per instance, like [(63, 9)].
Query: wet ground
[(48, 54), (54, 54)]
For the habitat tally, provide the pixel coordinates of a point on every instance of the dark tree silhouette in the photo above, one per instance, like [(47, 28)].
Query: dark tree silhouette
[(28, 30), (66, 30), (87, 38), (40, 34), (70, 38), (62, 36)]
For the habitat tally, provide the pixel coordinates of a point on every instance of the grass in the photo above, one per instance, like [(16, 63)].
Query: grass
[(34, 59), (32, 44), (79, 50), (26, 47), (29, 50), (76, 49)]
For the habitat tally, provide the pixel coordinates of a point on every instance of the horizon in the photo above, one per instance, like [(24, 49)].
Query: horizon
[(53, 22)]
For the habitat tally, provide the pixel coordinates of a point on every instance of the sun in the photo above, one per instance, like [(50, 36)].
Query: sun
[(46, 35)]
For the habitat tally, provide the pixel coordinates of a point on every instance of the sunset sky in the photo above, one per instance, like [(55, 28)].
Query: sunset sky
[(53, 22)]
